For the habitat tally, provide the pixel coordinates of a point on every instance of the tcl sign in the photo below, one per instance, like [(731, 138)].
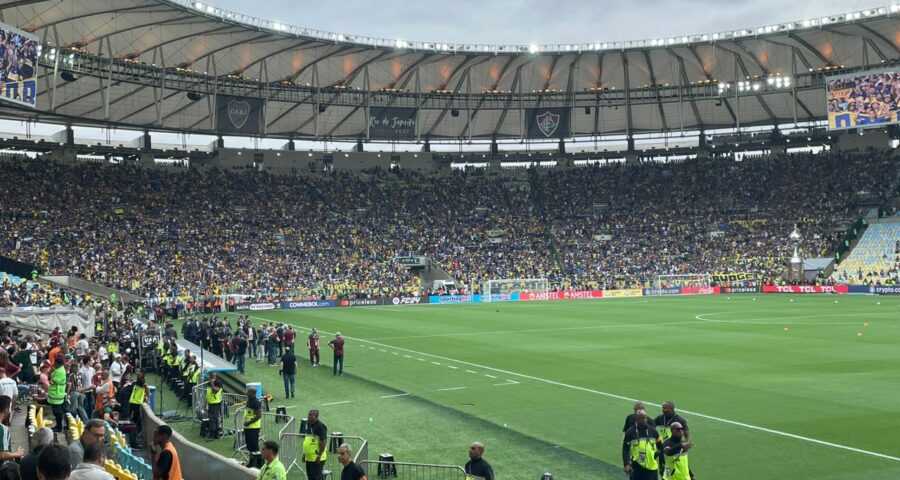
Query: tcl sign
[(406, 300), (805, 289)]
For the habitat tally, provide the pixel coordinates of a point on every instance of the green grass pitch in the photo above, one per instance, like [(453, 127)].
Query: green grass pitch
[(773, 386)]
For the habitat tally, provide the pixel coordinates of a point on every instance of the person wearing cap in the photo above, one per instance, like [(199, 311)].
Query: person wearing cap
[(675, 453), (640, 449), (337, 346)]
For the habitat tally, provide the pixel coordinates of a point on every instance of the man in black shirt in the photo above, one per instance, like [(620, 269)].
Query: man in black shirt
[(665, 421), (288, 371), (478, 467), (641, 449), (351, 471)]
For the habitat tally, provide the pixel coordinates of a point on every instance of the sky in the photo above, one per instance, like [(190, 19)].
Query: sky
[(536, 21)]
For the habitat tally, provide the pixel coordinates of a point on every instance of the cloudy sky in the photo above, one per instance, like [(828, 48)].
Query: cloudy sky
[(536, 21)]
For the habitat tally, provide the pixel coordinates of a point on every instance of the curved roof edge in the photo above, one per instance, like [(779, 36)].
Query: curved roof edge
[(221, 14)]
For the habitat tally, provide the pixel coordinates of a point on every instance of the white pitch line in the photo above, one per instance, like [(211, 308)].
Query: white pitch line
[(451, 366), (489, 376), (394, 353), (394, 396), (435, 363), (382, 350), (407, 356), (507, 383), (420, 359), (449, 389), (337, 403), (756, 321), (471, 371), (632, 400)]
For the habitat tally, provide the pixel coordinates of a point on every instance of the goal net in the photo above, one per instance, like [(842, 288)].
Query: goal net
[(494, 290), (663, 282)]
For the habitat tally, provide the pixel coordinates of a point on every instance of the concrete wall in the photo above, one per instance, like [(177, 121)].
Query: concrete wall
[(872, 138), (285, 161)]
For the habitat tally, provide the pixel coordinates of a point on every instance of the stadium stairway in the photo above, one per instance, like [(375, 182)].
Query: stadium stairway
[(536, 196), (873, 256)]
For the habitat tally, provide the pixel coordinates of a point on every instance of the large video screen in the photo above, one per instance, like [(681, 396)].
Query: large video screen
[(18, 65), (862, 100)]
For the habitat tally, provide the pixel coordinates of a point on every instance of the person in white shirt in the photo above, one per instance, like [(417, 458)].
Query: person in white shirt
[(92, 467), (82, 346), (116, 370), (8, 387), (101, 353), (85, 373)]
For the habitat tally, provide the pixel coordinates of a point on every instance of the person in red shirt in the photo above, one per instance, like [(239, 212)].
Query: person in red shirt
[(337, 345), (289, 337), (312, 342)]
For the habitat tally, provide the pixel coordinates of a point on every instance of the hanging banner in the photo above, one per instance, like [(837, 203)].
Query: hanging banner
[(391, 123), (19, 53), (240, 115), (547, 122)]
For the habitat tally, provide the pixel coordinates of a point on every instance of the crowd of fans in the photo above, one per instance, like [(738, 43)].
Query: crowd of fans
[(620, 226), (190, 234)]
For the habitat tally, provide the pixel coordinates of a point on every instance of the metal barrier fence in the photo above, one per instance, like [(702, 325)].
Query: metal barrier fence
[(230, 401), (411, 471), (272, 426), (291, 452)]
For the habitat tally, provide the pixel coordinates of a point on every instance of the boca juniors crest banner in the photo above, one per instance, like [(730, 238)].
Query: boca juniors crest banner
[(547, 122), (241, 115)]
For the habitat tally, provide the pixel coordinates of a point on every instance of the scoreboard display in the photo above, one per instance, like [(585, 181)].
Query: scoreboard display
[(19, 53), (861, 100)]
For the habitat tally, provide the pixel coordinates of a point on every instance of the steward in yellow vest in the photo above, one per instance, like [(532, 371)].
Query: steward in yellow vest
[(675, 452), (640, 449)]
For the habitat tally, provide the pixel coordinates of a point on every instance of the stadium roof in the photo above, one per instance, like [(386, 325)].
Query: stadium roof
[(132, 62)]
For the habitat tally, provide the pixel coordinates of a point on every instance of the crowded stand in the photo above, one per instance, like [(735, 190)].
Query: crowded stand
[(165, 234)]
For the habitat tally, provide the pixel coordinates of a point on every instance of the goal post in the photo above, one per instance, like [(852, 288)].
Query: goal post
[(506, 286), (662, 282)]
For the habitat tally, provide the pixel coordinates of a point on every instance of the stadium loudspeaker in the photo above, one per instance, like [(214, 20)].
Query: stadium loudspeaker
[(322, 108), (194, 96), (454, 113), (68, 76)]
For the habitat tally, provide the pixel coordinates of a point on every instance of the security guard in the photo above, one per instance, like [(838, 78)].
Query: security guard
[(314, 452), (214, 406), (675, 452), (273, 468), (252, 425), (140, 393), (663, 422), (640, 449)]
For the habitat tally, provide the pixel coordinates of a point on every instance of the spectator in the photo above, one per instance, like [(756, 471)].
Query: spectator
[(6, 451), (53, 463), (94, 432), (93, 465), (40, 439)]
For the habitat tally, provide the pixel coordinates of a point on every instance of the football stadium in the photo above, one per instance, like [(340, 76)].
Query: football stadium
[(236, 248)]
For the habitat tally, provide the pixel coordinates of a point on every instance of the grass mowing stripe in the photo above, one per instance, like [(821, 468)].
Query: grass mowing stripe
[(629, 399)]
